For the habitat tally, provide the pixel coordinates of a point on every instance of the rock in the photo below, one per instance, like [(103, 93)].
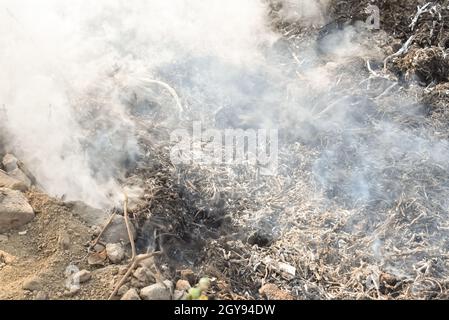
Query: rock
[(95, 230), (115, 252), (10, 162), (122, 270), (97, 258), (131, 294), (272, 292), (157, 291), (3, 238), (183, 285), (64, 240), (137, 284), (41, 295), (15, 211), (6, 258), (33, 284), (147, 263), (116, 232), (82, 276), (142, 274), (20, 176), (72, 292), (11, 183), (136, 199), (123, 290), (178, 295), (99, 248)]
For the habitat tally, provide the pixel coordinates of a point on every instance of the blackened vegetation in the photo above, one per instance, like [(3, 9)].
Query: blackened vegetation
[(378, 231)]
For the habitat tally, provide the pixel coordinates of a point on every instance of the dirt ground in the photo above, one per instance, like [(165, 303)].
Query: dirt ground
[(39, 253)]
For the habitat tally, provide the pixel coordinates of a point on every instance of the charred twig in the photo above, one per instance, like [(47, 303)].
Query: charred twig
[(405, 48), (111, 218), (128, 227), (421, 10)]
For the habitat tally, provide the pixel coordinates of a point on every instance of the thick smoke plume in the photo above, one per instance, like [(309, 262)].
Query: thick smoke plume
[(75, 73), (71, 68)]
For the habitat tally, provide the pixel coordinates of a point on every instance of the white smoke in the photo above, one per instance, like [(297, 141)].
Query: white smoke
[(68, 66)]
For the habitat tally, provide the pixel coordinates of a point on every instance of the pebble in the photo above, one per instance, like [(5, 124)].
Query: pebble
[(178, 295), (83, 276), (73, 291), (41, 295), (157, 291), (148, 263), (131, 294), (33, 284), (96, 258), (123, 290), (10, 162), (64, 240), (183, 285), (99, 248), (115, 252), (142, 274)]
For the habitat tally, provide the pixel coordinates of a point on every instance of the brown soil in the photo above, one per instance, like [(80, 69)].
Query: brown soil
[(39, 253)]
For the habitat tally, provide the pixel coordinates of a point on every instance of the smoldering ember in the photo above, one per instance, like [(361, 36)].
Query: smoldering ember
[(349, 99)]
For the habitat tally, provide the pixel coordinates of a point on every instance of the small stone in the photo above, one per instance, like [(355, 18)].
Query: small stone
[(33, 284), (97, 258), (148, 263), (99, 248), (157, 291), (15, 211), (82, 276), (11, 183), (131, 294), (142, 274), (20, 176), (72, 292), (23, 233), (41, 295), (183, 285), (64, 240), (10, 162), (123, 290), (6, 258), (95, 230), (122, 270), (137, 284), (179, 294), (115, 252)]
